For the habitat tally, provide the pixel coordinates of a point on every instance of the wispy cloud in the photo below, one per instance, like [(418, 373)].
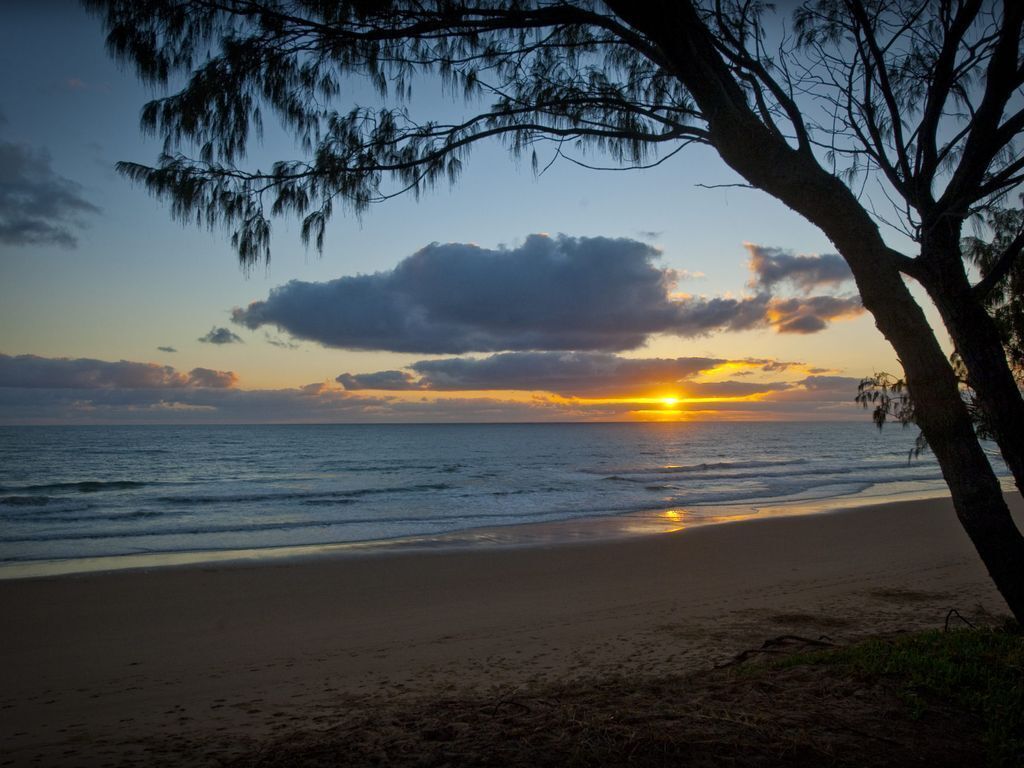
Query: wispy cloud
[(772, 266), (84, 86), (277, 341), (37, 205), (167, 349), (811, 314)]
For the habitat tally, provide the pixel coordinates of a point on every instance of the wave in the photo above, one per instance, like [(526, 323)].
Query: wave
[(303, 497), (378, 467), (82, 486), (621, 479), (447, 523), (63, 516), (42, 508), (682, 469), (654, 476), (25, 501), (153, 532), (783, 488)]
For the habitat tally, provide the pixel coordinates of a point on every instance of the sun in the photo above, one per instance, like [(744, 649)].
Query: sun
[(669, 401)]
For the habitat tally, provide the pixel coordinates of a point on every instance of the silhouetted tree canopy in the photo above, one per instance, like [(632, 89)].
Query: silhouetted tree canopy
[(866, 87)]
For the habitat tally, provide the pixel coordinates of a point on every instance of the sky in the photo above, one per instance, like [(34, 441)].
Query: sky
[(576, 295)]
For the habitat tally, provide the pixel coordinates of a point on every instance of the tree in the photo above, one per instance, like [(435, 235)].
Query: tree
[(1001, 266), (916, 100)]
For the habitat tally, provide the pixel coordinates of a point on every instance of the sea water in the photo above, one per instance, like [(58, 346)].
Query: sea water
[(98, 491)]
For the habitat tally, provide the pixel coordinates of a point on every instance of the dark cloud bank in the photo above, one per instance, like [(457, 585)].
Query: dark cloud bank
[(36, 389), (34, 372), (37, 205), (570, 374), (560, 293)]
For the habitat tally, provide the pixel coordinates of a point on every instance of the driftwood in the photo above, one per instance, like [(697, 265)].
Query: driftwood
[(779, 645)]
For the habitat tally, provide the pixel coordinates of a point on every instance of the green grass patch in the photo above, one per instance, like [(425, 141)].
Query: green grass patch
[(979, 672)]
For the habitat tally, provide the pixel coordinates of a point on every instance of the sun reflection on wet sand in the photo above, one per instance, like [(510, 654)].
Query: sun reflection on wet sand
[(665, 521)]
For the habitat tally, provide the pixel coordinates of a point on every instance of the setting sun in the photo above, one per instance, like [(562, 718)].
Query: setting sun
[(670, 401)]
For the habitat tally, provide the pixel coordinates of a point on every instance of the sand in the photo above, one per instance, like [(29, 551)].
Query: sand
[(193, 664)]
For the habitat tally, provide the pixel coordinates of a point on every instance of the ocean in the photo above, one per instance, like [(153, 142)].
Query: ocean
[(73, 493)]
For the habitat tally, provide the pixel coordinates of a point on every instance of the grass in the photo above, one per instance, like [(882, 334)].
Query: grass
[(979, 673), (929, 698)]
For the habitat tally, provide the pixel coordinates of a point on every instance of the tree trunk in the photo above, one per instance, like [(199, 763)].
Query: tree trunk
[(947, 426), (941, 414), (940, 409), (794, 176), (978, 342)]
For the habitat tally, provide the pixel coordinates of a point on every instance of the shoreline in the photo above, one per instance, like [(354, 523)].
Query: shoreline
[(613, 527), (194, 664)]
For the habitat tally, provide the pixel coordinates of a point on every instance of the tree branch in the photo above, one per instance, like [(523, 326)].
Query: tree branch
[(1001, 268), (879, 66), (938, 92), (981, 146)]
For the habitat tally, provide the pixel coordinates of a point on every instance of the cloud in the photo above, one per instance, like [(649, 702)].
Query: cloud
[(206, 377), (221, 336), (812, 313), (38, 206), (316, 404), (34, 389), (698, 316), (831, 383), (841, 389), (773, 366), (277, 341), (167, 349), (77, 84), (550, 294), (34, 372), (389, 380), (568, 374), (725, 389), (771, 266)]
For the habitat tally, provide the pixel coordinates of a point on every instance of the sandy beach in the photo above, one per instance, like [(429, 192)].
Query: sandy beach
[(191, 665)]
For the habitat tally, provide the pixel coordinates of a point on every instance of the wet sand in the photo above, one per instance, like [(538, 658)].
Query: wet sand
[(189, 665)]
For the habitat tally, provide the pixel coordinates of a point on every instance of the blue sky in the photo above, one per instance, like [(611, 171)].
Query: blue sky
[(135, 281)]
